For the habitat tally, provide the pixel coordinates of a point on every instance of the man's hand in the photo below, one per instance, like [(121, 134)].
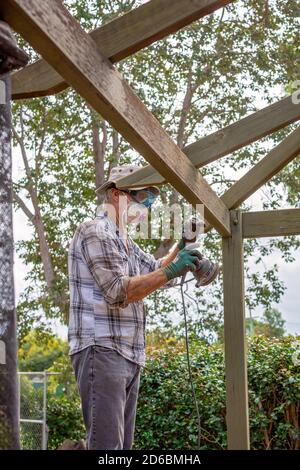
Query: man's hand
[(140, 286), (186, 260)]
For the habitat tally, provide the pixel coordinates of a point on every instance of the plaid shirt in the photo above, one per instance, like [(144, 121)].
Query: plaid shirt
[(99, 271)]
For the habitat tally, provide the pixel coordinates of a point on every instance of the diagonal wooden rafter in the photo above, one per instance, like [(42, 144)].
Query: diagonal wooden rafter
[(118, 39), (77, 58), (260, 173), (228, 139), (264, 170)]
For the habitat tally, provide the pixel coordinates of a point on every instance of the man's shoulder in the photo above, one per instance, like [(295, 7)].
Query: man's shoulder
[(84, 227), (99, 226)]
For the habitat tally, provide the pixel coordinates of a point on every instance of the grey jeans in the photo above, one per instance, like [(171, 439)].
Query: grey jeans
[(108, 385)]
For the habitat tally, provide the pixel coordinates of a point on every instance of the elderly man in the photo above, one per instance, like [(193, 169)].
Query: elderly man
[(109, 277)]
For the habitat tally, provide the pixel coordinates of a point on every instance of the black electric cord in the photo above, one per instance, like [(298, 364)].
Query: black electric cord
[(189, 362), (197, 306)]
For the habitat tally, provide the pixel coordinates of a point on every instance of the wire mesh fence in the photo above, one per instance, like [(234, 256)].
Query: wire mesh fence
[(33, 404), (31, 435)]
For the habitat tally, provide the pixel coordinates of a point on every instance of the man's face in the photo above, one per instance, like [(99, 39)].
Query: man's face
[(135, 211), (128, 208)]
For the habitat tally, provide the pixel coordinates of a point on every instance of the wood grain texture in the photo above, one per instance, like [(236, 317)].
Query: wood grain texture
[(279, 157), (237, 415), (276, 223), (77, 58), (227, 140), (119, 39)]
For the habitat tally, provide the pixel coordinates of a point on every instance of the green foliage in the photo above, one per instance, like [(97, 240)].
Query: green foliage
[(275, 322), (274, 394), (166, 415), (31, 392), (63, 381), (39, 350), (271, 325), (64, 420)]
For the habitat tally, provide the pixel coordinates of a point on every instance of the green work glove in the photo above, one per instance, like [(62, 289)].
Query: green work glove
[(181, 244), (186, 260)]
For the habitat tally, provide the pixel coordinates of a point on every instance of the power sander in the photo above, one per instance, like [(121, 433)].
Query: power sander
[(207, 271)]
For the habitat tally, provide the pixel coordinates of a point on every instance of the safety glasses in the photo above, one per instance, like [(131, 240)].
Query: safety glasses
[(144, 196)]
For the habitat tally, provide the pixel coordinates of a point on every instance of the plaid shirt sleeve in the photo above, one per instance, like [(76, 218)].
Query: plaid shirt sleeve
[(106, 265), (147, 261)]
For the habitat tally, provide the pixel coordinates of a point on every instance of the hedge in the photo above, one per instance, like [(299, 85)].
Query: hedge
[(166, 415)]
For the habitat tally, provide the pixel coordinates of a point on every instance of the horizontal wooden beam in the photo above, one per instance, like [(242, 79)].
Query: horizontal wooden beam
[(280, 156), (59, 38), (276, 223), (119, 39), (228, 139)]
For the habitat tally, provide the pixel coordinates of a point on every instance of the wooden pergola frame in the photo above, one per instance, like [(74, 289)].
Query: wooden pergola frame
[(72, 57)]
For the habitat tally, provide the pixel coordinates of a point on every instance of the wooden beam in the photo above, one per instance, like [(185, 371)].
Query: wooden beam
[(276, 223), (77, 58), (237, 418), (280, 156), (119, 39), (228, 139)]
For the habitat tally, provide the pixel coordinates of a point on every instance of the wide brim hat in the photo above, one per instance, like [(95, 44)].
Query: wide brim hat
[(119, 172)]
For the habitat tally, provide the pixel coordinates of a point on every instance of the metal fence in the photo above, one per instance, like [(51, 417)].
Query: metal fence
[(33, 410), (33, 406)]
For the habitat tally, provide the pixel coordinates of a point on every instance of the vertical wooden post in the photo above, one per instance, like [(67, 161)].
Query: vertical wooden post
[(235, 337)]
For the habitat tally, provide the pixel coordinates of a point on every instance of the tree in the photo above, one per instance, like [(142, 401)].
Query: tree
[(271, 325), (39, 350), (198, 80)]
